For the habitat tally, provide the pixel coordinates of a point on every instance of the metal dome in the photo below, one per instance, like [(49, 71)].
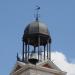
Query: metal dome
[(35, 30), (36, 27)]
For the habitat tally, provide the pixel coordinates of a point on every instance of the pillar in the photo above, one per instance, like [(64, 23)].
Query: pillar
[(38, 46), (49, 51), (28, 48), (44, 52), (23, 52)]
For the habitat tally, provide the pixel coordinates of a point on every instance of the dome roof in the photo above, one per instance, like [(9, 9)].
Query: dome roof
[(33, 31), (36, 27)]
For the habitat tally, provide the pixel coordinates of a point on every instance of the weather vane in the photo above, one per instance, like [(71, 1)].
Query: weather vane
[(37, 12)]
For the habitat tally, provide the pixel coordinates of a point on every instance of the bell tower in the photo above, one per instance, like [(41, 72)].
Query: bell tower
[(36, 40), (36, 51)]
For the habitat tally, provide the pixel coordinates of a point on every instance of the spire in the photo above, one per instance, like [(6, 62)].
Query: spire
[(37, 12)]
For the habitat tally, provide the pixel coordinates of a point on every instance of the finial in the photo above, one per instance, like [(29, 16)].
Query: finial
[(37, 10), (18, 57)]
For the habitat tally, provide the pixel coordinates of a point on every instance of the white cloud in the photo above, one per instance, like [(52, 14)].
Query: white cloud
[(61, 61)]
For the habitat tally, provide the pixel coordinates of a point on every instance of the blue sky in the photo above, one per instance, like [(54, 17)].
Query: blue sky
[(59, 15)]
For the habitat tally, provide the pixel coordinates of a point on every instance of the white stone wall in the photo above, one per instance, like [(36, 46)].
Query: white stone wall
[(26, 72), (38, 72), (35, 72)]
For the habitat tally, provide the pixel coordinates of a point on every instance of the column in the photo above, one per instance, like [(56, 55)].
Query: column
[(23, 52), (49, 51), (44, 52), (28, 48), (26, 52), (38, 46)]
